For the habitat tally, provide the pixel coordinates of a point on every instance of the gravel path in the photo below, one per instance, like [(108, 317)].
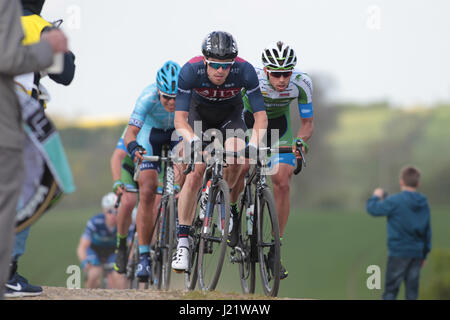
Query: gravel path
[(59, 293)]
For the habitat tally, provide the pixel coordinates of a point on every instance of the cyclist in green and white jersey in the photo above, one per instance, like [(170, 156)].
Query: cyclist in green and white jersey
[(280, 85)]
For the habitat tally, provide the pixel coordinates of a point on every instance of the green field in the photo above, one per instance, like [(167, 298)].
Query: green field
[(326, 252)]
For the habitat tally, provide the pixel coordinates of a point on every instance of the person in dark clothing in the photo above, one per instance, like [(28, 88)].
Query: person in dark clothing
[(408, 233), (34, 28), (15, 59)]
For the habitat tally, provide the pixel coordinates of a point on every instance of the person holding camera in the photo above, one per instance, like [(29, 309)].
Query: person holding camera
[(408, 233)]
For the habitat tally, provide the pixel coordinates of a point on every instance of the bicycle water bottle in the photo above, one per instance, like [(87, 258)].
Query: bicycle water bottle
[(249, 215), (204, 200)]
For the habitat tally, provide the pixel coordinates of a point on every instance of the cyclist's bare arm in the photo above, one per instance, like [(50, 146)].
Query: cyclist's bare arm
[(305, 132), (116, 165), (82, 248), (131, 135), (182, 126), (259, 128)]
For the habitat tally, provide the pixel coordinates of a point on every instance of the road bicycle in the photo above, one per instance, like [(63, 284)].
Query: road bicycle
[(165, 227), (259, 235), (211, 224)]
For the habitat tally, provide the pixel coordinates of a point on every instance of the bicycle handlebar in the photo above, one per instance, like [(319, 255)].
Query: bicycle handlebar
[(152, 159), (159, 158), (300, 162)]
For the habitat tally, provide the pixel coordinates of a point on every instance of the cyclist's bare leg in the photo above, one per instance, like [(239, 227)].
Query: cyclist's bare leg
[(232, 173), (188, 195), (94, 274), (179, 167), (148, 182), (239, 186), (179, 176), (117, 281), (281, 187), (127, 203)]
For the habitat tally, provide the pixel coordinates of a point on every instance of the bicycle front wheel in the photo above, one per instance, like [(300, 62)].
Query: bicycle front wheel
[(194, 240), (268, 233), (214, 235)]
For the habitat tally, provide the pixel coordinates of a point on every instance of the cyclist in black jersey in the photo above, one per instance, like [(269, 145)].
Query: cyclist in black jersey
[(209, 97)]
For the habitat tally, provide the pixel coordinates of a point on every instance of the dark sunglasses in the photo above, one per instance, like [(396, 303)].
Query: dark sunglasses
[(218, 65), (166, 96), (279, 74)]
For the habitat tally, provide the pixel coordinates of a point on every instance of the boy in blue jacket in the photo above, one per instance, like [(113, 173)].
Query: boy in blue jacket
[(408, 233)]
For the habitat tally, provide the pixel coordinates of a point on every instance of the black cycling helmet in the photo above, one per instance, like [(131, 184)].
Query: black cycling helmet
[(34, 6), (219, 45)]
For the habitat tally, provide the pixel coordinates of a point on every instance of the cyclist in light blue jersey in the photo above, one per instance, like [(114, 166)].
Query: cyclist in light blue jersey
[(122, 171), (152, 119)]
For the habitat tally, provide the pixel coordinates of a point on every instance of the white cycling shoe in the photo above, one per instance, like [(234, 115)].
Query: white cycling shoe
[(180, 260)]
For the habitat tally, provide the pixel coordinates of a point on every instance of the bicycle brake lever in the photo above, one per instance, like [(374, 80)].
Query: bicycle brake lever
[(116, 205), (299, 149), (137, 170), (190, 168)]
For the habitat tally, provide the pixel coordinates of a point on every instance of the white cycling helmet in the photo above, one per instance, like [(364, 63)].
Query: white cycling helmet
[(108, 201), (279, 56)]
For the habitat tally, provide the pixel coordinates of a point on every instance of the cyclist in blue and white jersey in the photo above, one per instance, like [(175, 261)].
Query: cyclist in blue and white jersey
[(209, 95), (153, 120), (97, 245)]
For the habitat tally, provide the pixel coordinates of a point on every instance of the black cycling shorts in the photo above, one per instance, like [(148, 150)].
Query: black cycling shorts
[(280, 123), (227, 118)]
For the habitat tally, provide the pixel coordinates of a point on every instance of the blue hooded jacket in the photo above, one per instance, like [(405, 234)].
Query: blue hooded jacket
[(408, 223)]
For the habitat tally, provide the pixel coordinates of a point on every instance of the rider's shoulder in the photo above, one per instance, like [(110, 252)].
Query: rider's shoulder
[(97, 219), (193, 64), (195, 60), (243, 64), (149, 92), (260, 73), (301, 79), (192, 67)]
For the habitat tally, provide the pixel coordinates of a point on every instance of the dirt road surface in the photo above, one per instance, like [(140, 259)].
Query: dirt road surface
[(59, 293)]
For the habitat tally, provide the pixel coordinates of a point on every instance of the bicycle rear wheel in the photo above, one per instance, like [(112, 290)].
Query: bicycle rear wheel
[(168, 243), (156, 252), (214, 235), (268, 242), (133, 260), (246, 253)]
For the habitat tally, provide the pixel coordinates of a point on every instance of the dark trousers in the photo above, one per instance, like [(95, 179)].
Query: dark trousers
[(399, 270)]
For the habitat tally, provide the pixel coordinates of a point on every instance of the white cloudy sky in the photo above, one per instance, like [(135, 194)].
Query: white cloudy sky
[(394, 49)]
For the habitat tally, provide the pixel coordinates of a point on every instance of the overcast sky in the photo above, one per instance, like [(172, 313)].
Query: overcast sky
[(396, 50)]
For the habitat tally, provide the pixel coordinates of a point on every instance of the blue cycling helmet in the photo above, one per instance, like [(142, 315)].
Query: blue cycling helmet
[(167, 78)]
